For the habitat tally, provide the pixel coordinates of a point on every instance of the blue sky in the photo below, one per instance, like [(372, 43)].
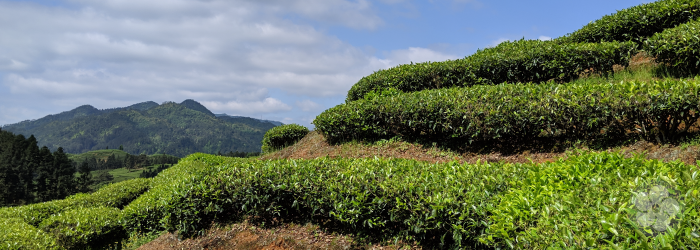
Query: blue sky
[(285, 60)]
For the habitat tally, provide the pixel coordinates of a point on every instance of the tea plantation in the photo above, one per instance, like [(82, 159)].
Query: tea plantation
[(515, 92)]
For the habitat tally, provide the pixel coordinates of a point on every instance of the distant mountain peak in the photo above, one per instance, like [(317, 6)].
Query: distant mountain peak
[(143, 106), (194, 105)]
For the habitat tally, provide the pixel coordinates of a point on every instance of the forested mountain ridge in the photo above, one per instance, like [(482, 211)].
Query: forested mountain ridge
[(148, 128)]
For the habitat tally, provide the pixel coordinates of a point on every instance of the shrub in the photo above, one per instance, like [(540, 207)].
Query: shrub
[(384, 198), (283, 136), (81, 227), (517, 112), (146, 212), (592, 201), (518, 61), (34, 214), (115, 195), (119, 194), (637, 23), (679, 48), (17, 234), (585, 201)]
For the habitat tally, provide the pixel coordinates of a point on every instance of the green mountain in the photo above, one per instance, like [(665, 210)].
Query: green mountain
[(149, 128)]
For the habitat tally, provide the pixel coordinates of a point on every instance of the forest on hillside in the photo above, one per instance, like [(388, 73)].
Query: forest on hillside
[(146, 128), (29, 174)]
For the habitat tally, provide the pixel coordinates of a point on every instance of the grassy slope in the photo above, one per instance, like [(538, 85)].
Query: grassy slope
[(102, 155)]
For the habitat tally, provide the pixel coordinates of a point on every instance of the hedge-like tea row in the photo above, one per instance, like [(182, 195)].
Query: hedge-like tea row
[(516, 112), (145, 213), (678, 47), (17, 234), (398, 197), (597, 201), (637, 23), (115, 195), (588, 200), (517, 61), (85, 227), (119, 194), (283, 136)]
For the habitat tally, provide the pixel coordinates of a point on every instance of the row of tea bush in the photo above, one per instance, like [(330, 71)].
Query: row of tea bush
[(586, 200), (78, 222), (517, 61), (656, 110), (597, 47)]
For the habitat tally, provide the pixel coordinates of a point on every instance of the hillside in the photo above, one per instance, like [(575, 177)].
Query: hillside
[(148, 128)]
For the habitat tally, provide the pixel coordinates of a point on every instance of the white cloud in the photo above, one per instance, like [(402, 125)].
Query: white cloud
[(238, 57), (497, 42), (11, 64), (308, 105), (268, 105), (544, 38)]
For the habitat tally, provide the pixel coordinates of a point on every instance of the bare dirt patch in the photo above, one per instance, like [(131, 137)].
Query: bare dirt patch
[(315, 146)]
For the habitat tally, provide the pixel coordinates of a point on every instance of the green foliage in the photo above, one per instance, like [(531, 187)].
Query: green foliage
[(144, 214), (119, 194), (18, 162), (82, 227), (34, 214), (396, 197), (84, 179), (638, 22), (283, 136), (679, 48), (518, 61), (114, 195), (16, 234), (515, 112), (587, 200), (591, 201)]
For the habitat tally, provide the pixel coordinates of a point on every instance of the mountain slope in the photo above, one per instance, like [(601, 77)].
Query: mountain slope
[(149, 128)]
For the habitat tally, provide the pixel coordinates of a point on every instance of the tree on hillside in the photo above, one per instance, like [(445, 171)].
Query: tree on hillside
[(129, 162), (142, 161), (64, 174), (112, 162), (7, 174), (84, 179), (45, 178), (29, 166)]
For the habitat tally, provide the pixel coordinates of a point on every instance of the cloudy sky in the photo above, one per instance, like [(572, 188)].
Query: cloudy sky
[(285, 60)]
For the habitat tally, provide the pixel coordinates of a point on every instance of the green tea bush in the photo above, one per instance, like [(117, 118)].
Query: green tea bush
[(146, 212), (401, 198), (81, 227), (596, 201), (119, 194), (517, 112), (283, 136), (17, 234), (517, 61), (637, 23), (589, 200), (679, 48), (34, 214), (115, 195)]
